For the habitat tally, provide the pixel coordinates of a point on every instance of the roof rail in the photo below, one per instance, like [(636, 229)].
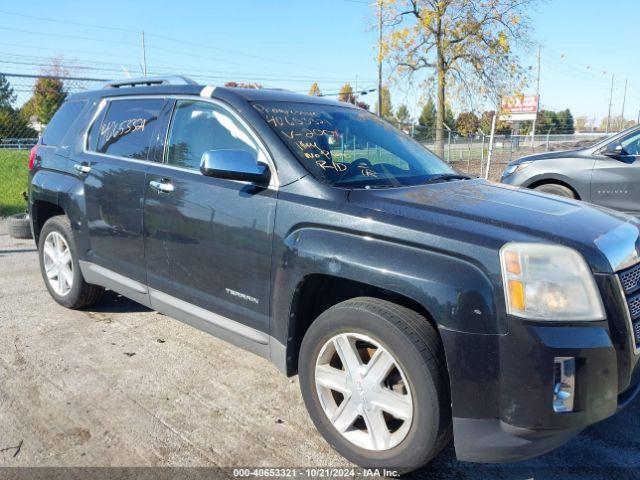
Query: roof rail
[(150, 81)]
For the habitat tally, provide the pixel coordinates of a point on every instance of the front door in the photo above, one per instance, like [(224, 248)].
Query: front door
[(615, 182), (208, 240)]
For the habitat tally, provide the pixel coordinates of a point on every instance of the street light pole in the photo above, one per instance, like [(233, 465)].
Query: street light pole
[(144, 57), (535, 119), (610, 102), (379, 58), (624, 101)]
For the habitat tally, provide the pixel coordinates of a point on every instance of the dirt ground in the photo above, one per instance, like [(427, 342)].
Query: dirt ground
[(121, 386)]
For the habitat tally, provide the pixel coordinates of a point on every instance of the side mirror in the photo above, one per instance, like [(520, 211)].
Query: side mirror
[(234, 165), (613, 150)]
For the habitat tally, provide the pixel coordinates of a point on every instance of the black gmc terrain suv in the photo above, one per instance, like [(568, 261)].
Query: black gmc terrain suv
[(414, 303)]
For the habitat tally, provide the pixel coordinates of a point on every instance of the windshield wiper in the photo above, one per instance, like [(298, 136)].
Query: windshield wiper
[(445, 177)]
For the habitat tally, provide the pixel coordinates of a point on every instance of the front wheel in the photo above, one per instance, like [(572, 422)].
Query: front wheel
[(556, 189), (374, 380)]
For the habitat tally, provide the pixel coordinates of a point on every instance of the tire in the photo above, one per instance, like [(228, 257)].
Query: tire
[(556, 189), (80, 293), (19, 226), (420, 367)]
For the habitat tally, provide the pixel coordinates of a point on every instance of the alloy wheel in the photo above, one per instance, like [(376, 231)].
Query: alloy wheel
[(58, 264), (363, 391)]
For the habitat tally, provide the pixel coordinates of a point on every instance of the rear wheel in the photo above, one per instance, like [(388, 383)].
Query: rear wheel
[(60, 268), (556, 189), (373, 378)]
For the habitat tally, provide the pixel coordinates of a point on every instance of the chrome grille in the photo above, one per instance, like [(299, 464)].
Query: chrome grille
[(636, 331), (630, 278)]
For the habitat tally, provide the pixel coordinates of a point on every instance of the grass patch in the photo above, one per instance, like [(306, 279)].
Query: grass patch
[(13, 181)]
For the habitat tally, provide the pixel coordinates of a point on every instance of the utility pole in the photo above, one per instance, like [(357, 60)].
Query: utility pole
[(380, 58), (144, 57), (624, 100), (610, 102), (533, 128)]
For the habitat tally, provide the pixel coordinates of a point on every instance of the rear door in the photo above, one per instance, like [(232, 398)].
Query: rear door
[(208, 240), (113, 167), (615, 182)]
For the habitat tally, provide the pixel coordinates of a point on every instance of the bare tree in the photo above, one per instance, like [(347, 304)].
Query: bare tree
[(467, 44)]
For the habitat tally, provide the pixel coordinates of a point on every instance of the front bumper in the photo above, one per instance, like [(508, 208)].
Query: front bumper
[(502, 385)]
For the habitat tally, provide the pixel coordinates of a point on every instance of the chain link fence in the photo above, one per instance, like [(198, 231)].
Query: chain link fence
[(27, 103), (469, 154)]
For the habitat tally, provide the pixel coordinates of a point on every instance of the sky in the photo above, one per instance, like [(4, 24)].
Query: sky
[(290, 44)]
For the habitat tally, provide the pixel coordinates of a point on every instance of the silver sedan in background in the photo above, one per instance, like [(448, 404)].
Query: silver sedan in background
[(606, 173)]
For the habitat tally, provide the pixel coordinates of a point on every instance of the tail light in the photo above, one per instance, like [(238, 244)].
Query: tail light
[(32, 156)]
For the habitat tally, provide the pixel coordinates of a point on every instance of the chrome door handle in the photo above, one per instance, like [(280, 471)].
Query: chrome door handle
[(82, 167), (164, 187)]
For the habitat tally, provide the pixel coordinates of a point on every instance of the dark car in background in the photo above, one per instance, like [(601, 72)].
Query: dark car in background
[(606, 173), (414, 303)]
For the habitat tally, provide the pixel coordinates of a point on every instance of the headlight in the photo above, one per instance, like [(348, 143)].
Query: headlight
[(549, 282), (511, 169)]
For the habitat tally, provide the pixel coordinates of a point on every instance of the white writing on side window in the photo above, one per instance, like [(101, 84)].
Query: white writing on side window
[(113, 129)]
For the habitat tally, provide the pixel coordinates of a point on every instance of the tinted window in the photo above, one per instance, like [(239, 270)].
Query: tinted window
[(350, 147), (61, 122), (201, 126), (127, 127)]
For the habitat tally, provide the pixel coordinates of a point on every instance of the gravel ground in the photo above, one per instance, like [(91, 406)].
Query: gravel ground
[(120, 385)]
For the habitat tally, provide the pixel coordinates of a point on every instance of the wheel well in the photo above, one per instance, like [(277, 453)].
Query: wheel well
[(43, 211), (552, 181), (317, 293)]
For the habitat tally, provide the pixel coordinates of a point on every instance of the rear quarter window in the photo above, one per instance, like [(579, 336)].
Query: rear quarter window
[(127, 127), (62, 122)]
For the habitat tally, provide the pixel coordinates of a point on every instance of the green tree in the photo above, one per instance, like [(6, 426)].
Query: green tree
[(48, 94), (449, 117), (314, 91), (565, 121), (14, 125), (467, 124), (427, 122), (7, 96), (547, 122), (387, 108), (346, 94), (402, 115), (465, 43)]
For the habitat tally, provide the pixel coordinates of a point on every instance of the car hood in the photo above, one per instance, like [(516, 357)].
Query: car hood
[(549, 156), (497, 213)]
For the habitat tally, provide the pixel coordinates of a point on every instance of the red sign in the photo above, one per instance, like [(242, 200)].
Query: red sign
[(515, 104)]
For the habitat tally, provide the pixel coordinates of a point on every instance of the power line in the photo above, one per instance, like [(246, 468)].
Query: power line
[(67, 22), (163, 37), (116, 67)]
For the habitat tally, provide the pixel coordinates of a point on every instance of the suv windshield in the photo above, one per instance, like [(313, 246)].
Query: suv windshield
[(350, 147)]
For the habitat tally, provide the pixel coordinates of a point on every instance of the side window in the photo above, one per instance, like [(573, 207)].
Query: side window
[(127, 127), (631, 144), (94, 131), (61, 122), (197, 127)]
